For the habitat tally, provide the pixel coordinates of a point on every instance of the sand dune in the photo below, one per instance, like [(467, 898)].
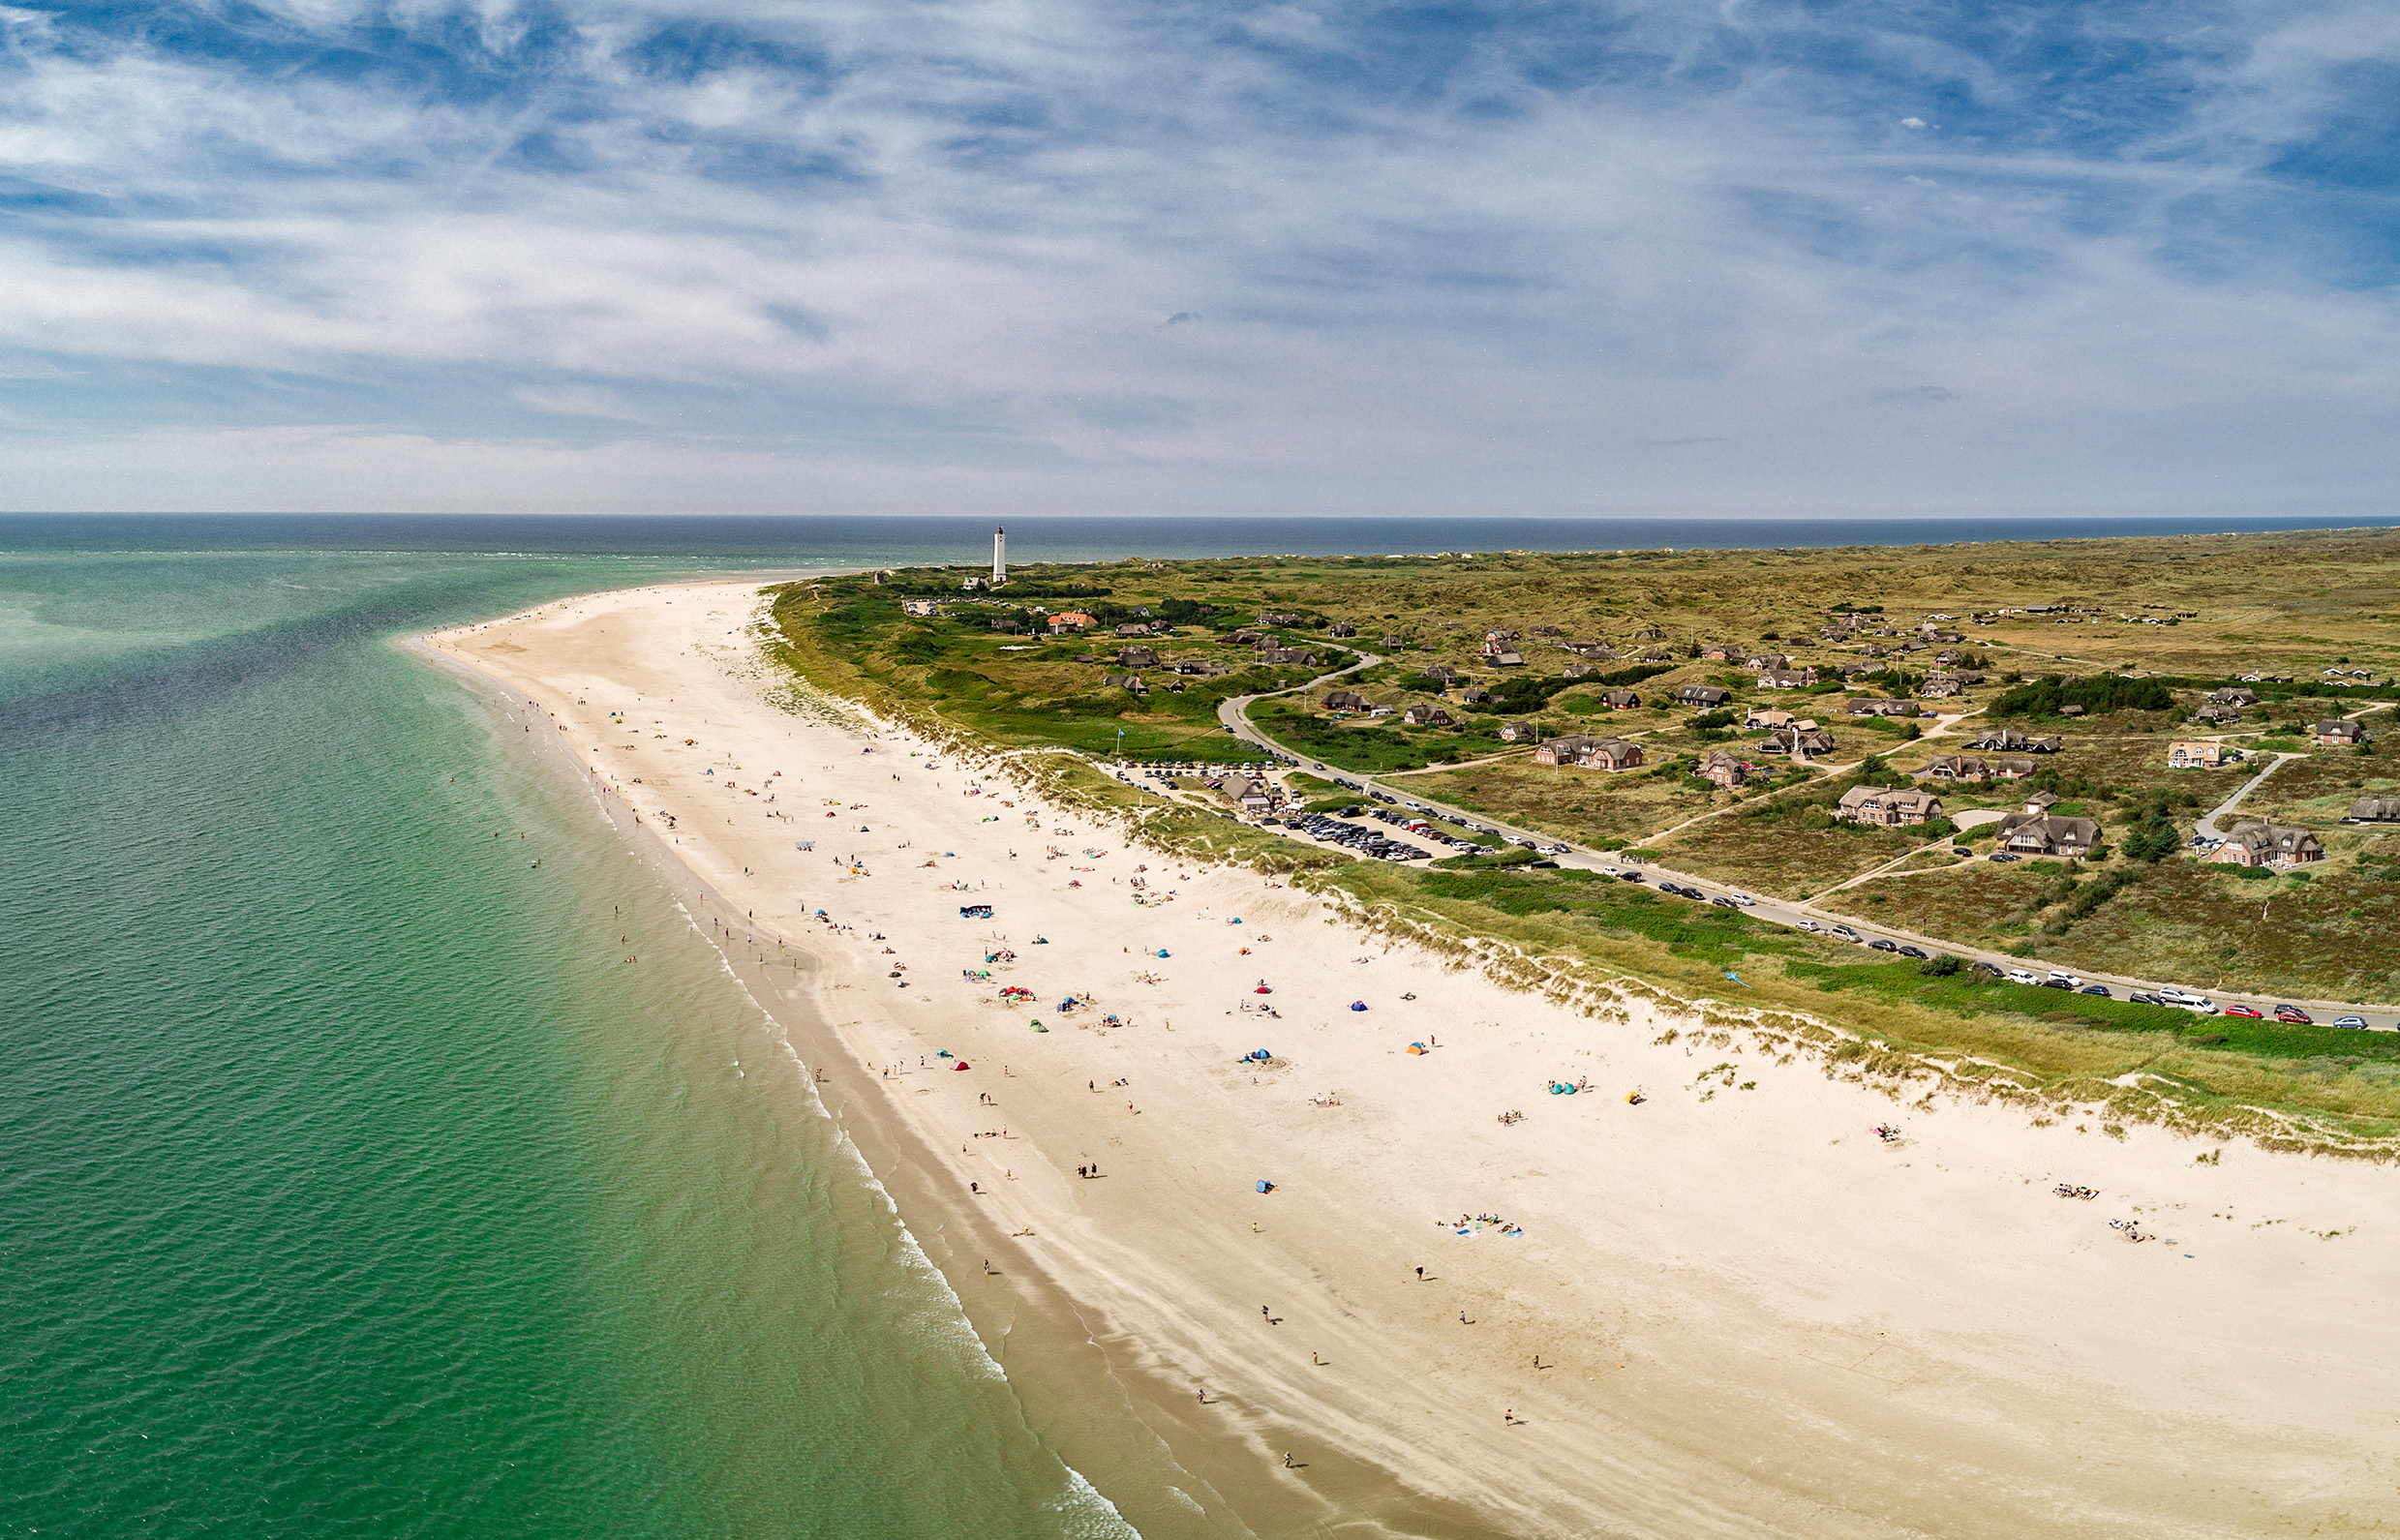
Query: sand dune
[(1754, 1317)]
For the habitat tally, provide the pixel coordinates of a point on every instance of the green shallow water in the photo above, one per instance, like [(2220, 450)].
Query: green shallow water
[(350, 1184)]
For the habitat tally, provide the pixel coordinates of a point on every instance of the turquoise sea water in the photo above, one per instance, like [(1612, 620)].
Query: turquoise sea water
[(350, 1184)]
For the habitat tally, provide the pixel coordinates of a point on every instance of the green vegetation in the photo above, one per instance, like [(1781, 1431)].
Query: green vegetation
[(2097, 692)]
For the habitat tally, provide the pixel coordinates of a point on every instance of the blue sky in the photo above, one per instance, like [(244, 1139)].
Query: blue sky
[(645, 256)]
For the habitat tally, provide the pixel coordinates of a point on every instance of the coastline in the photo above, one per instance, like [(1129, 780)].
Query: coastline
[(1782, 1352)]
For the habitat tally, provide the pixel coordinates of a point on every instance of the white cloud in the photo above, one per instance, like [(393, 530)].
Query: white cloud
[(935, 265)]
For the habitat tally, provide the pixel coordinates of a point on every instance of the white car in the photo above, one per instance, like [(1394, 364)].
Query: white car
[(1809, 925), (1744, 899), (2197, 1005), (2070, 979), (2021, 976)]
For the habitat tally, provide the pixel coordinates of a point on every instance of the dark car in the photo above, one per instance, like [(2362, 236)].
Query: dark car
[(1879, 943), (2293, 1015), (2000, 855), (1543, 866), (1911, 952), (1960, 850), (2057, 984), (1721, 900), (2143, 999), (1628, 876), (2100, 989)]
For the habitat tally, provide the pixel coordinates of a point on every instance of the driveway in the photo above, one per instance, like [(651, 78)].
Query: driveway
[(2208, 825)]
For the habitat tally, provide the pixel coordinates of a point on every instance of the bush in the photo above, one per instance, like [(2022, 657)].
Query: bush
[(1941, 967)]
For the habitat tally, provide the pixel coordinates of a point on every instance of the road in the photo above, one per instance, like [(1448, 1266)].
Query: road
[(1234, 713), (2208, 825)]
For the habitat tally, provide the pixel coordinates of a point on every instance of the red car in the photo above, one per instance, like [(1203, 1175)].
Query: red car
[(2251, 1012), (2293, 1015)]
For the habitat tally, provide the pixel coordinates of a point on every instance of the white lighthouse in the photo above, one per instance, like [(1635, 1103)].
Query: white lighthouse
[(999, 556)]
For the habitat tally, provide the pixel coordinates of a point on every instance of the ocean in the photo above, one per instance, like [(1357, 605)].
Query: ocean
[(350, 1185)]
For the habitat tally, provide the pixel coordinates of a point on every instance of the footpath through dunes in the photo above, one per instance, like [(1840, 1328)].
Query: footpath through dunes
[(1729, 1308)]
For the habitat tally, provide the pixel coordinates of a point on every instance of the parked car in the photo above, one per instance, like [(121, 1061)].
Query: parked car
[(2066, 977), (1630, 876), (1723, 902), (1960, 850), (2100, 989), (1912, 952), (2057, 984), (2000, 855), (1811, 926), (2351, 1023), (1846, 933), (2021, 976), (2246, 1013), (1559, 849), (2199, 1006), (1880, 943), (2143, 999), (1744, 899), (2294, 1016)]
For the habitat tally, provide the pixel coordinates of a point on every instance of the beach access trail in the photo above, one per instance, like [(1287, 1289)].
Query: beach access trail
[(1753, 1314)]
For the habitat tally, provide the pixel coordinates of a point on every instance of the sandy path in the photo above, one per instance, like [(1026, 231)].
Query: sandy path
[(1763, 1319)]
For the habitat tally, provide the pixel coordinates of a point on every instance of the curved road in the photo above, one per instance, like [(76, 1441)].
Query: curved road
[(1234, 714)]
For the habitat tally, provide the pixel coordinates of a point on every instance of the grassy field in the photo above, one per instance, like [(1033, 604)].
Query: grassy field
[(2323, 933), (1610, 809)]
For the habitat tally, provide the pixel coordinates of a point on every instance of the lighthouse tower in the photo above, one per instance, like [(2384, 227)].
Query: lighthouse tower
[(999, 556)]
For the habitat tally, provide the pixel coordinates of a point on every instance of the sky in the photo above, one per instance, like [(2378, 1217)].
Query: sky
[(675, 255)]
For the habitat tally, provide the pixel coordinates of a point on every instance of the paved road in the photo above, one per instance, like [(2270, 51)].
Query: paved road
[(2208, 825), (1234, 714)]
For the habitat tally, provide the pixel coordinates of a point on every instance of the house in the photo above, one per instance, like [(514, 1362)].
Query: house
[(1501, 655), (1547, 630), (1619, 700), (1954, 768), (2253, 843), (2373, 810), (1855, 671), (1515, 732), (1786, 679), (2011, 770), (1591, 753), (1137, 657), (1124, 682), (1767, 660), (1426, 716), (1477, 695), (1072, 620), (1134, 628), (2219, 714), (1282, 620), (1939, 688), (1869, 706), (1200, 667), (1950, 657), (1576, 671), (1340, 629), (1499, 636), (1592, 652), (2071, 709), (1395, 641), (1888, 806), (1768, 716), (1802, 740), (1442, 671), (1286, 654), (1658, 655), (1721, 768), (2009, 739), (1008, 627), (2337, 733), (1723, 652), (1703, 695), (2033, 830), (1344, 701), (2235, 696), (1253, 796), (2197, 754), (921, 607)]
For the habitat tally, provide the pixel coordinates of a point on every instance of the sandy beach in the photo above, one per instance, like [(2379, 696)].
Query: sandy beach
[(1729, 1307)]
